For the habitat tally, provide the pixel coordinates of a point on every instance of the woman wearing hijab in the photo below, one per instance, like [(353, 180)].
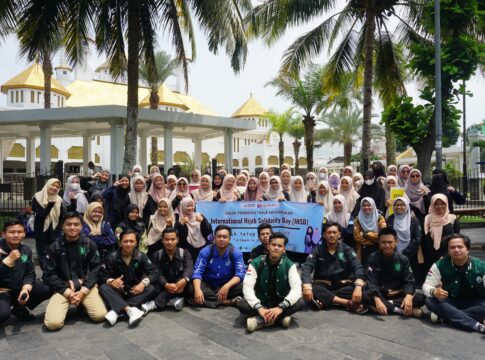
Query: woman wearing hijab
[(132, 221), (138, 194), (193, 228), (391, 170), (264, 182), (373, 190), (437, 224), (358, 181), (408, 232), (241, 183), (285, 177), (246, 173), (322, 174), (116, 200), (366, 229), (95, 184), (339, 214), (297, 190), (323, 196), (204, 192), (417, 193), (157, 192), (275, 192), (334, 182), (195, 177), (253, 192), (346, 189), (378, 169), (389, 183), (440, 185), (228, 191), (180, 192), (164, 217), (311, 183), (48, 210), (171, 184), (348, 171), (98, 230), (217, 182), (74, 194), (403, 175)]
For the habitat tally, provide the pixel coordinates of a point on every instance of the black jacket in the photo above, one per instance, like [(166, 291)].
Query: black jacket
[(183, 230), (50, 235), (412, 249), (23, 273), (170, 271), (140, 267), (60, 268)]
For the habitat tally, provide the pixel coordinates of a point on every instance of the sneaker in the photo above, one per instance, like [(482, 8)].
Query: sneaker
[(22, 313), (286, 322), (111, 317), (134, 315), (254, 323), (480, 328), (318, 305), (178, 303), (433, 317), (417, 313), (148, 306)]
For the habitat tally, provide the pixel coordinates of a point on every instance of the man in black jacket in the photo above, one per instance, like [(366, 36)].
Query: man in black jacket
[(175, 267), (264, 233), (127, 277), (18, 287), (390, 281), (338, 276), (72, 271)]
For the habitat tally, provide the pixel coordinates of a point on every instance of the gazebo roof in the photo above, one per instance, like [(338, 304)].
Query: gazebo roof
[(250, 108)]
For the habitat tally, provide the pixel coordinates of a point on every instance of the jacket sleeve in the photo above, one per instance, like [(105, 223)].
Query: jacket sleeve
[(201, 263), (309, 267), (157, 260), (407, 276), (107, 270), (94, 264), (72, 206), (249, 283), (175, 202), (357, 268), (183, 231), (51, 276), (358, 237), (149, 269), (413, 246), (39, 211), (239, 266), (373, 279), (205, 227), (295, 286), (29, 275), (188, 265), (149, 210), (456, 227), (108, 233), (457, 197), (433, 279), (108, 193)]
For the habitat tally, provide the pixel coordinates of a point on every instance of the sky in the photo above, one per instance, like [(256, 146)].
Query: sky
[(213, 82)]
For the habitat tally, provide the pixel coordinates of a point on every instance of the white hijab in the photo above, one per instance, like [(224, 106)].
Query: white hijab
[(194, 236), (298, 196), (342, 217), (81, 201), (351, 196), (138, 198), (327, 199)]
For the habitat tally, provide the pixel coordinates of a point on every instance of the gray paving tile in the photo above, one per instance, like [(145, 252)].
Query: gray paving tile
[(39, 353), (26, 340)]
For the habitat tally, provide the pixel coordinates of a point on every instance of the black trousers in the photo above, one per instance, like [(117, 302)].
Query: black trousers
[(326, 293), (39, 293), (164, 297), (391, 303), (117, 301), (245, 309), (210, 294)]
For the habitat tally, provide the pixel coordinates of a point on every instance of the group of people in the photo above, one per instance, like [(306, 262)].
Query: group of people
[(139, 245)]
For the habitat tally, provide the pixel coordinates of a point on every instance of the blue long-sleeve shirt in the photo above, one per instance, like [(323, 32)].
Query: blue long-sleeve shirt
[(220, 269), (107, 237)]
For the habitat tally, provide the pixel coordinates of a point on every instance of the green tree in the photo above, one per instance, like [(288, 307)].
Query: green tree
[(155, 76), (296, 130), (280, 124)]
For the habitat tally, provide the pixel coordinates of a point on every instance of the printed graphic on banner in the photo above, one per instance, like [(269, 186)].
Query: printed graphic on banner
[(395, 193), (300, 222)]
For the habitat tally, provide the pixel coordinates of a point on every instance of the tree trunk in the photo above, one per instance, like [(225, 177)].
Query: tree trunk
[(347, 154), (132, 103), (309, 123), (370, 25), (281, 150), (296, 149), (47, 69), (154, 99), (424, 153), (390, 146)]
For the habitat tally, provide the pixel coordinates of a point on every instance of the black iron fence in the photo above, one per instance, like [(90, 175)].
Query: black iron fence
[(473, 186)]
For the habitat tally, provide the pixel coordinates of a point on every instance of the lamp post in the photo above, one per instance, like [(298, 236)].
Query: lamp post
[(437, 70), (465, 175)]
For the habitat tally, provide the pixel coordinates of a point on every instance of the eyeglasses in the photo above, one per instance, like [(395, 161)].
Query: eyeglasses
[(415, 176), (406, 171)]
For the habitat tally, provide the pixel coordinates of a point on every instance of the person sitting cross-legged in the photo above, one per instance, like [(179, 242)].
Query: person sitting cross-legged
[(264, 233), (218, 272), (127, 277), (454, 286), (175, 267), (338, 275), (390, 281), (271, 287)]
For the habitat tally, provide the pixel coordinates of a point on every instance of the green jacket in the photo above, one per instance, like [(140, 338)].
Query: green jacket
[(451, 279)]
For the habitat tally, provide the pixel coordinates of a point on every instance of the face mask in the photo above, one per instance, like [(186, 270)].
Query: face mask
[(75, 186), (322, 176), (359, 183), (369, 182)]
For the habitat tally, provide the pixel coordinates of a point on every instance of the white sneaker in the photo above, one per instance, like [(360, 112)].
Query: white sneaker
[(286, 322), (134, 315), (111, 317), (149, 306), (178, 303), (255, 323), (433, 317)]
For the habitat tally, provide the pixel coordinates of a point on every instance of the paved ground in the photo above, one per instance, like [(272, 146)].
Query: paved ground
[(219, 334)]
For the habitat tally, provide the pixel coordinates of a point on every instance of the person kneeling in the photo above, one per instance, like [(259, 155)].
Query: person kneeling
[(175, 267), (126, 277), (271, 288), (390, 281)]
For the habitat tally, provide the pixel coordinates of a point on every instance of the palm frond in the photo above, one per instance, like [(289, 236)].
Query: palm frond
[(8, 16)]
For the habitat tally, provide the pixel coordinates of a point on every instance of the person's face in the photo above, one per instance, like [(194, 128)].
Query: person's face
[(217, 180), (298, 185), (14, 235), (204, 184), (163, 208), (252, 185), (344, 184), (457, 250), (347, 172), (415, 177), (387, 244), (264, 235), (72, 228), (263, 180), (133, 214), (399, 207), (171, 184), (96, 215), (366, 208), (139, 185), (53, 189), (128, 243), (368, 177), (331, 235), (405, 173), (75, 180), (158, 183), (285, 178), (230, 183), (170, 241), (104, 176), (393, 171), (322, 190), (124, 183), (337, 206), (391, 183), (195, 176), (189, 208), (182, 186), (222, 238), (271, 171), (439, 207), (274, 185), (276, 248), (241, 181)]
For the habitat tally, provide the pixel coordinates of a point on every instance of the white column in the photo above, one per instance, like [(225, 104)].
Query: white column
[(228, 150), (87, 152), (142, 155), (117, 146), (45, 148), (1, 162), (198, 153), (30, 156), (168, 147)]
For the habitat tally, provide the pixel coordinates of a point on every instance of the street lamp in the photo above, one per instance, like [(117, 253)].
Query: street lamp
[(437, 71)]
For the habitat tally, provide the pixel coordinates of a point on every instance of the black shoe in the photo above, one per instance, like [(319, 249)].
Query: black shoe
[(23, 314)]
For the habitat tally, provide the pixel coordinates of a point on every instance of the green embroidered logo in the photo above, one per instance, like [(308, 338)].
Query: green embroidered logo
[(341, 256), (24, 258), (397, 266), (135, 265), (82, 250)]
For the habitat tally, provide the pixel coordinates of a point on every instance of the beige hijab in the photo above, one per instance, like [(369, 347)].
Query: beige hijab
[(433, 224), (158, 223), (44, 198), (194, 236), (95, 227)]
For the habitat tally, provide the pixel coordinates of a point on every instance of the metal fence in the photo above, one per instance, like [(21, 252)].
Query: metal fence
[(473, 186)]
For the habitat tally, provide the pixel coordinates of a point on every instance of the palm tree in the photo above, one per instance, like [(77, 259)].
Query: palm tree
[(296, 130), (306, 93), (280, 123), (155, 77), (344, 126), (362, 27)]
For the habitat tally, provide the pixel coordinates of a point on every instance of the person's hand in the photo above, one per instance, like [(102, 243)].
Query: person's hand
[(281, 198), (388, 203), (263, 312), (117, 283), (14, 255), (334, 191), (273, 313), (169, 222), (23, 301), (138, 289), (222, 200), (308, 294), (171, 288), (180, 286), (451, 189), (180, 195), (199, 218), (440, 294), (184, 220), (72, 195), (222, 293), (72, 298), (407, 305), (198, 297), (78, 298), (321, 203), (357, 294), (95, 176), (116, 183), (381, 308)]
